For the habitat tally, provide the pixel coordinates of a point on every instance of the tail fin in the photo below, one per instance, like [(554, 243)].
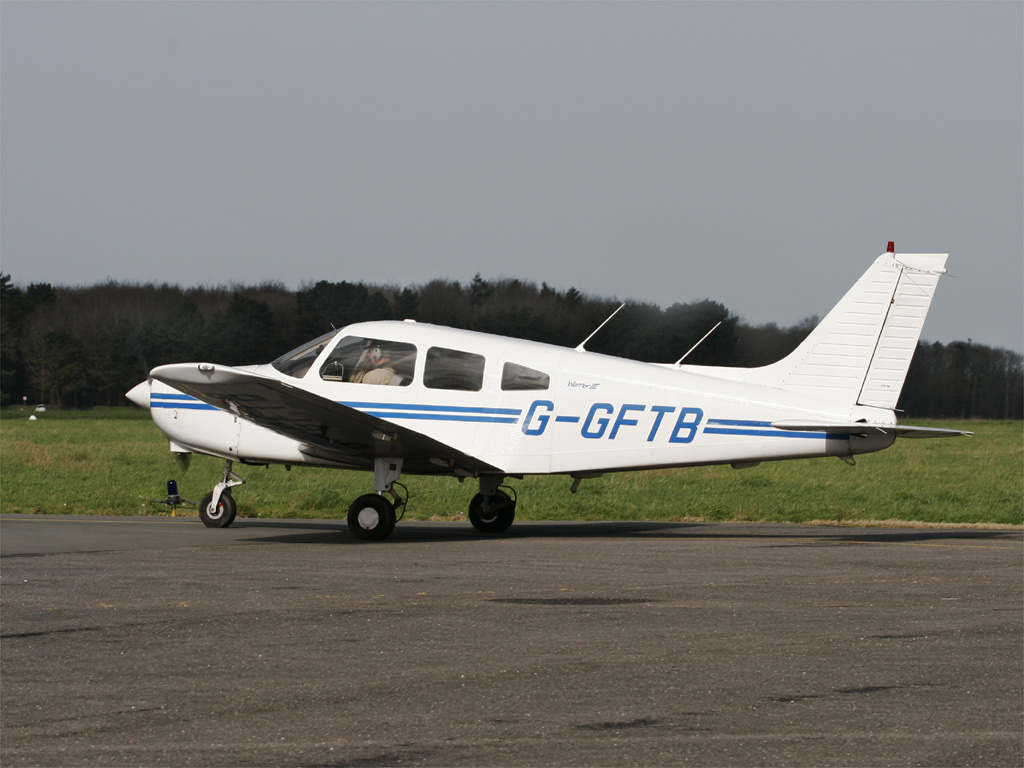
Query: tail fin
[(861, 351)]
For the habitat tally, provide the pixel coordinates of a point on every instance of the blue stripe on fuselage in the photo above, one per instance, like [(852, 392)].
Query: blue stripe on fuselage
[(419, 412), (485, 415), (436, 408), (181, 402), (743, 428), (443, 417)]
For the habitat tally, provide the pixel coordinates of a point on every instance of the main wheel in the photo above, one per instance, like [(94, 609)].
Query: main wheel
[(495, 517), (222, 516), (371, 517)]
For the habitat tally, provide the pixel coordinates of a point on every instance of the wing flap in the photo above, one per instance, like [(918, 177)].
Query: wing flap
[(325, 429)]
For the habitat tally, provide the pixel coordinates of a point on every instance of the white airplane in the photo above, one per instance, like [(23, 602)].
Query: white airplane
[(411, 398)]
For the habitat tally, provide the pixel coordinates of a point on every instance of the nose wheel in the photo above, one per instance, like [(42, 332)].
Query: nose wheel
[(218, 508), (219, 515)]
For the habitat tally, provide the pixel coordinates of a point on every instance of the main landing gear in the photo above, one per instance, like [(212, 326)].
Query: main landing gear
[(492, 510), (372, 516)]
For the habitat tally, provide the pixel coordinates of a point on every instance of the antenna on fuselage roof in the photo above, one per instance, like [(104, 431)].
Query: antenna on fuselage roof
[(580, 348), (680, 360)]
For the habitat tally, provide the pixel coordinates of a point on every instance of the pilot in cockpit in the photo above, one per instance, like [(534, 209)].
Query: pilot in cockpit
[(375, 365)]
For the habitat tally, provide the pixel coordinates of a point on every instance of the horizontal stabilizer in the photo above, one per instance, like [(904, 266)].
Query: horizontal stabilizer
[(863, 428)]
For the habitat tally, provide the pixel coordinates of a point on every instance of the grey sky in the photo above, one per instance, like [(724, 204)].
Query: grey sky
[(759, 154)]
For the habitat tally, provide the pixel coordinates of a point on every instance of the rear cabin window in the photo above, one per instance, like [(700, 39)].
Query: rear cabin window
[(300, 359), (452, 369), (358, 360), (516, 377)]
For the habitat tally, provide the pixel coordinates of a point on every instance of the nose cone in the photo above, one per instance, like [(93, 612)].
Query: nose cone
[(139, 394)]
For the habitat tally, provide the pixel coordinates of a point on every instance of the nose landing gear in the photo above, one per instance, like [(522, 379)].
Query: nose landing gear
[(217, 509), (219, 514)]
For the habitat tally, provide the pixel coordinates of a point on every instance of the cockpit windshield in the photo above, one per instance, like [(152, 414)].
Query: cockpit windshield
[(297, 362)]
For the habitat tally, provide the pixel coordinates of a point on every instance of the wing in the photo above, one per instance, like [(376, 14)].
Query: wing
[(863, 428), (325, 429)]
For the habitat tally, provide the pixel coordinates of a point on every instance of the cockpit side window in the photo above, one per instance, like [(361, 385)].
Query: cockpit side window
[(516, 377), (297, 362), (452, 369), (360, 360)]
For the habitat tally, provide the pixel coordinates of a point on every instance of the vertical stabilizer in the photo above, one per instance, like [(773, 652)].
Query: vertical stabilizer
[(902, 328), (860, 353)]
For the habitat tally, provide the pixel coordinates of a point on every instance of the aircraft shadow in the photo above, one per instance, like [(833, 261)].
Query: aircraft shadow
[(929, 534), (336, 532)]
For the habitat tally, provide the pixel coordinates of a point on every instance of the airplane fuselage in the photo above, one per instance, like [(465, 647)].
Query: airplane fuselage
[(576, 411)]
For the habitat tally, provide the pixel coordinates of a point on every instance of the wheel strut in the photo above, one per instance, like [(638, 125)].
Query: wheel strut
[(217, 509), (229, 480)]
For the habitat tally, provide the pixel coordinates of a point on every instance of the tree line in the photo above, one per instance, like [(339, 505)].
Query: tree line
[(86, 346)]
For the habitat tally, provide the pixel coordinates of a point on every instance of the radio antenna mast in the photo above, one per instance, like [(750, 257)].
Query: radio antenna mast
[(680, 360), (580, 348)]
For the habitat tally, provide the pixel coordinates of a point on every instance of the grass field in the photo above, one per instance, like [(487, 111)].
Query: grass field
[(114, 462)]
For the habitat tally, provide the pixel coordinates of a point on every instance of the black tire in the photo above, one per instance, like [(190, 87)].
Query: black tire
[(371, 517), (221, 517), (496, 517)]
